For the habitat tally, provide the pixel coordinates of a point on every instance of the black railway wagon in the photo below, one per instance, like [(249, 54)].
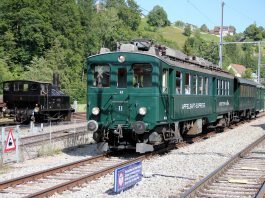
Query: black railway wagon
[(145, 95), (32, 100)]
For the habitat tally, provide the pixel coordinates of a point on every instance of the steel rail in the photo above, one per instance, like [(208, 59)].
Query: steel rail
[(55, 135), (211, 177), (44, 173), (92, 176), (261, 192)]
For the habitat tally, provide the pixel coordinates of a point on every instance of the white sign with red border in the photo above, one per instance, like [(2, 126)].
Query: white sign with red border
[(10, 144)]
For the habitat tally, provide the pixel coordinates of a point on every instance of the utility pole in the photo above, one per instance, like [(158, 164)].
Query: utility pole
[(221, 37), (259, 64)]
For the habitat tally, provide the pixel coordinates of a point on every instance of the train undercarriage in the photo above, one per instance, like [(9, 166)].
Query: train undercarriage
[(146, 141)]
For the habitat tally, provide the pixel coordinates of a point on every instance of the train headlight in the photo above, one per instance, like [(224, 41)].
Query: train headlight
[(121, 59), (142, 110), (4, 109), (95, 111)]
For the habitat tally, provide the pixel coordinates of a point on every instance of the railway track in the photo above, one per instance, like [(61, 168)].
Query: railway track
[(55, 180), (241, 176), (55, 135)]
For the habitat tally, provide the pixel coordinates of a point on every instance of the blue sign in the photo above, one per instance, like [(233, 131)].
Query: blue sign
[(127, 176)]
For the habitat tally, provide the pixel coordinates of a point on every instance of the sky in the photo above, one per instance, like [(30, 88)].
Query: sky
[(238, 13)]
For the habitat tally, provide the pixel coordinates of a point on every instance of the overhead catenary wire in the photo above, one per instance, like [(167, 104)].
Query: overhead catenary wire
[(204, 15)]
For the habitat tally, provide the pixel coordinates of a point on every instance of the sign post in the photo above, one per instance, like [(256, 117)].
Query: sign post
[(2, 145), (127, 176), (17, 146)]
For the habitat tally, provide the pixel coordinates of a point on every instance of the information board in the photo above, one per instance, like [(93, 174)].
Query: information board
[(127, 176)]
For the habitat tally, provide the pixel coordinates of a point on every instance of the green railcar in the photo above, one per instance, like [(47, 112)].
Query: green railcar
[(143, 96)]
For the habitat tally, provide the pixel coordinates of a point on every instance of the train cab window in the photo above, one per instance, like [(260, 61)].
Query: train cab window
[(34, 87), (101, 74), (122, 78), (18, 86), (7, 87), (178, 82), (195, 84), (187, 84), (142, 75), (25, 87), (43, 89), (206, 86), (200, 85)]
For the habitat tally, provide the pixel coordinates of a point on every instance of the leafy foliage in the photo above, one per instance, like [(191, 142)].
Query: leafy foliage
[(158, 17), (38, 38), (187, 31)]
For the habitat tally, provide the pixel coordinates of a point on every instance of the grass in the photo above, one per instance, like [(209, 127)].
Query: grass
[(170, 36), (48, 150)]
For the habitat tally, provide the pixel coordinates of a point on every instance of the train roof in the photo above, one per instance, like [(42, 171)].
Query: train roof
[(248, 82), (169, 56), (31, 81)]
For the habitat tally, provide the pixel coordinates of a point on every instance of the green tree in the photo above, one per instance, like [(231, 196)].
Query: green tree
[(253, 32), (179, 23), (5, 73), (247, 74), (204, 28), (187, 30), (158, 17)]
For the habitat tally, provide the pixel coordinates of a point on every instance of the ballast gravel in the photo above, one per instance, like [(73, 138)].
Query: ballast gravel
[(163, 176)]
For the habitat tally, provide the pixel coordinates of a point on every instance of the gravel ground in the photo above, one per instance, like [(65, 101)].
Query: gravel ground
[(163, 176)]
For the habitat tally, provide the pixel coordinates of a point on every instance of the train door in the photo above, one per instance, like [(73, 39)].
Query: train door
[(214, 93), (165, 93), (120, 99)]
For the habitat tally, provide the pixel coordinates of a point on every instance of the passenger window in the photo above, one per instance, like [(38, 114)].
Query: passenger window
[(122, 78), (142, 75), (228, 85), (178, 82), (187, 84), (101, 74), (206, 85), (218, 87), (164, 81), (200, 85), (194, 84)]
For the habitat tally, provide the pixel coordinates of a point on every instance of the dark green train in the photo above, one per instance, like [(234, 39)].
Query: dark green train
[(144, 95)]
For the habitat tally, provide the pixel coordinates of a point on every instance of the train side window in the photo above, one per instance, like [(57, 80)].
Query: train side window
[(101, 74), (195, 84), (7, 87), (122, 78), (165, 81), (200, 85), (178, 82), (206, 85), (228, 88), (142, 75), (219, 87), (222, 88), (187, 84)]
